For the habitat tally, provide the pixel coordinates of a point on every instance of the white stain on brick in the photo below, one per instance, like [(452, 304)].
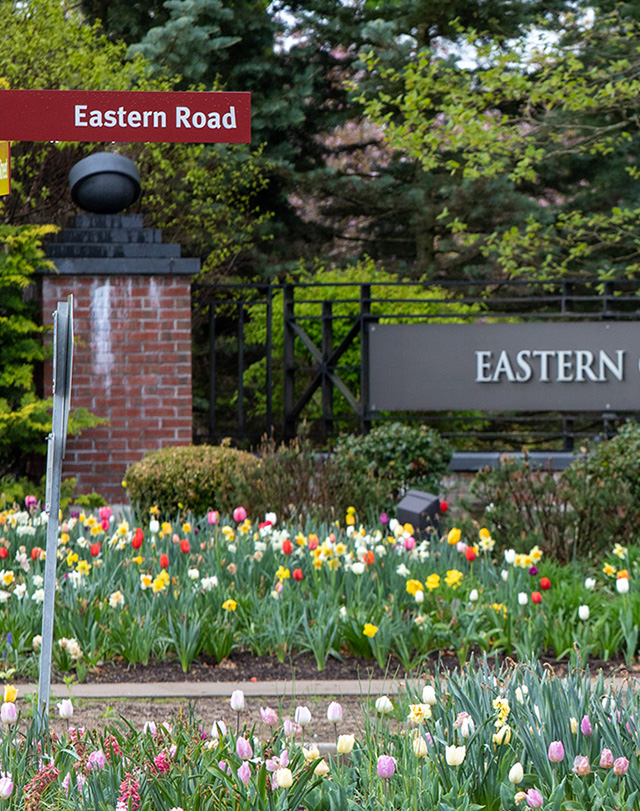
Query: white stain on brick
[(102, 358)]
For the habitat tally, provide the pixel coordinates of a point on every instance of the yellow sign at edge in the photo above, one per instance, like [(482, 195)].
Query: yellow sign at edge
[(5, 168)]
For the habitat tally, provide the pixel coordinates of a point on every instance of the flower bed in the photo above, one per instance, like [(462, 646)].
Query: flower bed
[(208, 586), (477, 738)]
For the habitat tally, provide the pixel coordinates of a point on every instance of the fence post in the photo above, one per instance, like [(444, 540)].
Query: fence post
[(269, 348), (327, 385), (212, 370), (288, 358), (365, 313)]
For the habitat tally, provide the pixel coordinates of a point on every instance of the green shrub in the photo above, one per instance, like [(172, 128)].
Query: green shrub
[(297, 482), (188, 478), (398, 456), (578, 512)]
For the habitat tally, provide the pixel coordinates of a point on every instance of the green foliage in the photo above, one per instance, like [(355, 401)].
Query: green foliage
[(398, 456), (25, 420), (298, 483), (551, 121), (575, 512), (188, 479)]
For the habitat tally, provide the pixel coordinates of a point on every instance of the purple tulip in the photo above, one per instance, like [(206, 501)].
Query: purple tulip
[(384, 518), (556, 751), (533, 571), (386, 766), (585, 726)]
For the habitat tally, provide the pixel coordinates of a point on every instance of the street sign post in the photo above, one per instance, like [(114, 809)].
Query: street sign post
[(62, 370)]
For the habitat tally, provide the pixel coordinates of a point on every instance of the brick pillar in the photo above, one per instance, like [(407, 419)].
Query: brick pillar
[(132, 353)]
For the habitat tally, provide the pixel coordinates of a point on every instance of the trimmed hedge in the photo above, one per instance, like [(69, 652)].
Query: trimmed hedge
[(191, 478)]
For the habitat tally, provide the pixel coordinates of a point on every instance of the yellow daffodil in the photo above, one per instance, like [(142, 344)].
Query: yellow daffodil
[(453, 578), (186, 527), (166, 528), (230, 605), (7, 578), (370, 630), (413, 586), (500, 608), (535, 554), (84, 567), (65, 538), (503, 735), (432, 582), (609, 570), (620, 551), (139, 560), (282, 573), (72, 558), (145, 581)]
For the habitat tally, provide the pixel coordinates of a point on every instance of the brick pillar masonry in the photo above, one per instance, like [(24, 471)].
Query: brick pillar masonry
[(132, 353)]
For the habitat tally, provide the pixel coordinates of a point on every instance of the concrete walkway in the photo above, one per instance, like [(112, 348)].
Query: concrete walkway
[(267, 689)]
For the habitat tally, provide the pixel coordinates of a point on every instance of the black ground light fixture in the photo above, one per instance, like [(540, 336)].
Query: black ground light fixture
[(104, 183), (419, 509)]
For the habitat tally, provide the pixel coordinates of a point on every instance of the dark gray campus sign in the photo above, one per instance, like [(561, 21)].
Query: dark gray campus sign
[(505, 367)]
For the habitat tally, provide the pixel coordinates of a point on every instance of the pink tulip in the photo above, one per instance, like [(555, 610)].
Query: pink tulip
[(386, 766), (606, 759), (409, 543), (620, 766), (213, 516), (585, 726), (534, 798), (239, 515), (581, 765), (334, 712), (6, 786), (556, 752), (244, 773), (243, 749), (269, 716), (8, 713)]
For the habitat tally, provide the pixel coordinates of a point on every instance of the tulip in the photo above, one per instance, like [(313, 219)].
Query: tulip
[(454, 755), (239, 515), (244, 773), (345, 744), (269, 716), (164, 561), (583, 612), (237, 701), (573, 722), (420, 747), (473, 595), (516, 773), (6, 786), (503, 735), (386, 766), (290, 728), (509, 556), (620, 766), (213, 516), (581, 765), (622, 585), (284, 778), (383, 705), (556, 752), (244, 749), (523, 598), (536, 597), (219, 728), (545, 583), (311, 753), (10, 693), (65, 708), (429, 695), (534, 798), (454, 536), (334, 712), (606, 759), (302, 716), (8, 713), (465, 723), (585, 726), (322, 768), (185, 546)]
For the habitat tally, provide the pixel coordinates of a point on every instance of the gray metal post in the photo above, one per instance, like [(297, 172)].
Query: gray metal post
[(62, 366)]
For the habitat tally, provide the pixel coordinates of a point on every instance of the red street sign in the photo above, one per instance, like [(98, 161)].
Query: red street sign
[(170, 117)]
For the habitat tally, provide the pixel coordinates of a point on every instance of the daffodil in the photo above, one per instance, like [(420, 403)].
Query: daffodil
[(230, 605), (282, 573), (432, 582), (453, 578), (370, 630), (413, 586)]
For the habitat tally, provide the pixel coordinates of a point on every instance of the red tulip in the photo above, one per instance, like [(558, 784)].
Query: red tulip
[(444, 506), (185, 546), (138, 537), (545, 583), (298, 574), (164, 560), (4, 552), (287, 548), (536, 597), (94, 549), (470, 554), (35, 553)]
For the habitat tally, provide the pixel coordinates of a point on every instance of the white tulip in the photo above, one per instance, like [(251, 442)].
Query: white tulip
[(583, 612)]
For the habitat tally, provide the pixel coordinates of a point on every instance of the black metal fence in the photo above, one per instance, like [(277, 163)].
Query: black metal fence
[(269, 359)]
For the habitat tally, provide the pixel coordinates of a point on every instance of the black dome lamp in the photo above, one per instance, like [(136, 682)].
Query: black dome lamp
[(104, 183)]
